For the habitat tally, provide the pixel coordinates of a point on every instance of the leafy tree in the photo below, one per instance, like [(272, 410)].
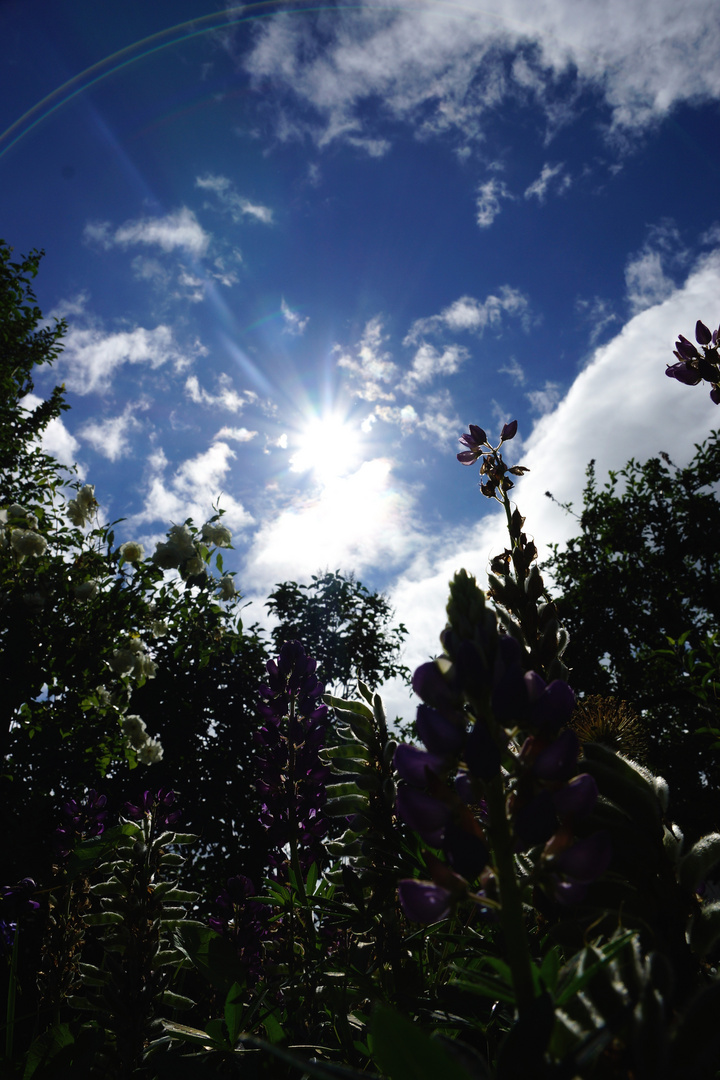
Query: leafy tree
[(346, 627), (87, 627), (644, 568)]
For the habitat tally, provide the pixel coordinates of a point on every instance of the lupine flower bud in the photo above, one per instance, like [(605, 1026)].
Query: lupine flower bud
[(423, 813), (703, 336), (412, 763), (686, 349), (423, 901), (576, 798), (684, 373), (509, 431), (440, 735), (586, 859), (558, 761)]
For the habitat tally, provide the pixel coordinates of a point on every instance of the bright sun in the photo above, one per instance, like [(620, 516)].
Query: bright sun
[(328, 445)]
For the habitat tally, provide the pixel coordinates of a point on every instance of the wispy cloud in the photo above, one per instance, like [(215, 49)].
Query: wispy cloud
[(112, 437), (225, 398), (469, 314), (430, 362), (237, 206), (371, 367), (191, 490), (443, 71), (91, 357), (295, 324), (488, 198), (549, 173), (236, 434), (177, 231), (646, 274)]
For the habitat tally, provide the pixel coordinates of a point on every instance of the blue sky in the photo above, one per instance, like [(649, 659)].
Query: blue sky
[(301, 248)]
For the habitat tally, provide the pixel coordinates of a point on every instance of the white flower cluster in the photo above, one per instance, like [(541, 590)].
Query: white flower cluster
[(149, 750), (131, 551), (18, 527), (81, 509), (132, 660), (227, 587), (179, 553), (86, 590), (215, 533)]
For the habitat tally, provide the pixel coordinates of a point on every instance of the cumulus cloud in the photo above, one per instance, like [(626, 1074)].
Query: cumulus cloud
[(469, 314), (237, 206), (176, 231), (91, 357), (443, 71)]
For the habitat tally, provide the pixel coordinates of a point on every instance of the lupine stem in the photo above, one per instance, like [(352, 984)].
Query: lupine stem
[(511, 912)]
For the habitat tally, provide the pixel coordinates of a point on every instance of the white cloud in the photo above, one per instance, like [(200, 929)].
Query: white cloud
[(111, 437), (488, 199), (471, 315), (191, 491), (443, 70), (226, 397), (91, 357), (353, 522), (237, 434), (371, 367), (55, 440), (294, 324), (429, 362), (646, 281), (230, 200), (545, 400), (512, 368), (538, 188), (620, 406), (179, 230)]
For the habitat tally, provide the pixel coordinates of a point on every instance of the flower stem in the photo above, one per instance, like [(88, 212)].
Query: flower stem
[(511, 912)]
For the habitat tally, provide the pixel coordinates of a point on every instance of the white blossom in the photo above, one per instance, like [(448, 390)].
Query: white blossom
[(131, 551), (181, 537), (122, 661), (86, 498), (159, 628), (194, 566), (227, 587), (27, 542), (86, 590), (215, 533), (150, 752), (133, 727), (16, 511)]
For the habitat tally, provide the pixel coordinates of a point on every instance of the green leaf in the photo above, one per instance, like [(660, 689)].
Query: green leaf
[(234, 1010), (405, 1052)]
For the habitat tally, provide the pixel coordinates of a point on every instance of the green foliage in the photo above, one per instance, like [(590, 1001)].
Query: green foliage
[(343, 625), (643, 569)]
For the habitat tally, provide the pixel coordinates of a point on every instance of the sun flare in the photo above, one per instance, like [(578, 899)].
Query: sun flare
[(328, 446)]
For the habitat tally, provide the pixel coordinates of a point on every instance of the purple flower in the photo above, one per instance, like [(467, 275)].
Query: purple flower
[(157, 806), (475, 439), (551, 704), (482, 755), (586, 859), (558, 761), (703, 336), (686, 349), (684, 373), (509, 431), (440, 734), (715, 394), (412, 763), (81, 820), (424, 901), (422, 812), (576, 798), (15, 902), (466, 851)]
